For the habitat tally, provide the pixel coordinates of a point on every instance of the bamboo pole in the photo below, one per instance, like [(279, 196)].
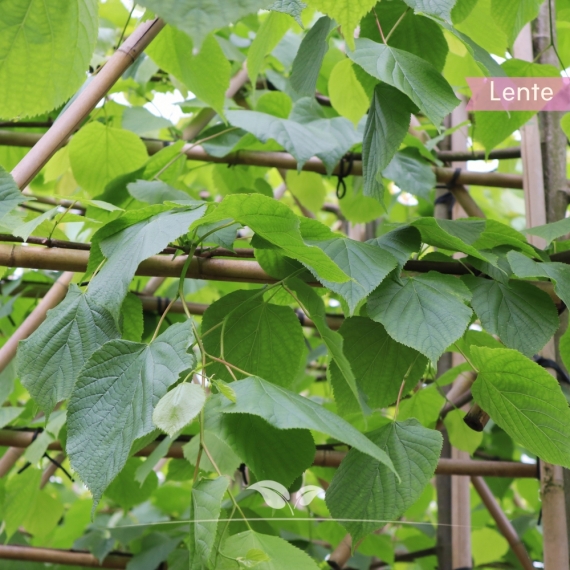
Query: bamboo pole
[(323, 458), (287, 161), (502, 522), (51, 469), (64, 557)]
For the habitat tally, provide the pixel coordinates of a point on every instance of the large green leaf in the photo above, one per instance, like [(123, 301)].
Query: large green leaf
[(276, 223), (38, 70), (10, 195), (522, 315), (367, 266), (271, 453), (552, 231), (558, 273), (386, 126), (525, 400), (205, 508), (314, 307), (199, 17), (411, 173), (126, 248), (285, 410), (347, 13), (99, 153), (50, 359), (414, 33), (268, 36), (512, 15), (291, 7), (21, 494), (114, 398), (367, 492), (309, 58), (380, 364), (427, 312), (415, 77), (281, 554), (262, 338)]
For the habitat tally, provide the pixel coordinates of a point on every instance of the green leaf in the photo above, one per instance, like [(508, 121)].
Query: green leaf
[(439, 8), (380, 364), (208, 74), (44, 516), (366, 491), (291, 7), (347, 13), (524, 400), (126, 491), (132, 318), (558, 273), (461, 10), (8, 415), (22, 491), (157, 548), (10, 195), (285, 410), (460, 435), (126, 248), (35, 40), (276, 223), (177, 408), (552, 231), (337, 130), (367, 266), (386, 126), (26, 229), (454, 235), (427, 312), (309, 59), (523, 316), (308, 188), (401, 243), (224, 456), (314, 307), (412, 75), (114, 398), (346, 93), (98, 154), (512, 15), (423, 406), (281, 554), (198, 18), (50, 359), (271, 453), (414, 33), (259, 337), (205, 508), (268, 36), (411, 173)]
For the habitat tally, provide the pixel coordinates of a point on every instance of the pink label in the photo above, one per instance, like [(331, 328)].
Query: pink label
[(519, 93)]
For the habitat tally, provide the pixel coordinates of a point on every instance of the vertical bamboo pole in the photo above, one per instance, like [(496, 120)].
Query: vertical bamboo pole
[(39, 155)]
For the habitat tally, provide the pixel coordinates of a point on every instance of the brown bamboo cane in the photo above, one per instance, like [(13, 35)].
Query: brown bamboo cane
[(502, 522), (63, 557), (51, 469), (276, 159)]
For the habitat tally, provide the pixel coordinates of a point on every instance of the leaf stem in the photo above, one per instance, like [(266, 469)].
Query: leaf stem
[(395, 25), (162, 317), (379, 26)]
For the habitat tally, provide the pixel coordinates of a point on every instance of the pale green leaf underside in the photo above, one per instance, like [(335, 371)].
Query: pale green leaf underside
[(39, 70), (286, 410), (525, 400), (178, 407), (50, 359), (366, 491), (114, 398)]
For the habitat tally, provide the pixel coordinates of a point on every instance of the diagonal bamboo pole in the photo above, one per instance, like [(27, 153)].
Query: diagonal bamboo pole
[(502, 522)]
